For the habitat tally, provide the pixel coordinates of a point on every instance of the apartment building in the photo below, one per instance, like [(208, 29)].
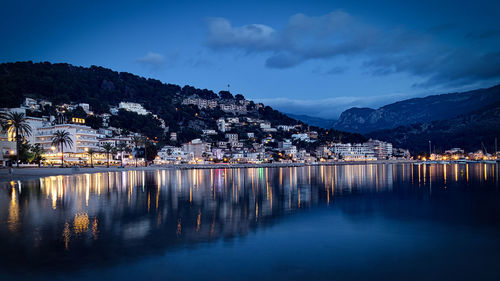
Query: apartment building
[(83, 137), (133, 107)]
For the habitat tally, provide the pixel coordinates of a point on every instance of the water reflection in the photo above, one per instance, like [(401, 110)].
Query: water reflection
[(95, 219)]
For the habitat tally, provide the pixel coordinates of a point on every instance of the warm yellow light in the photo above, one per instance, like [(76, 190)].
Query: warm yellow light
[(53, 148)]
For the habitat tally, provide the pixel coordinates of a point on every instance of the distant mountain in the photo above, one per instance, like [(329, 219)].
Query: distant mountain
[(468, 131), (314, 121), (416, 110)]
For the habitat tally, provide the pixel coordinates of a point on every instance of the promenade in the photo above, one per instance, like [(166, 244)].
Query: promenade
[(35, 173)]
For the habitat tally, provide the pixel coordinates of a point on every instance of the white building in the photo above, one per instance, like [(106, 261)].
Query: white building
[(291, 151), (35, 123), (200, 103), (286, 128), (265, 125), (233, 120), (133, 107), (232, 137), (31, 104), (196, 147), (8, 149), (173, 155), (222, 125), (286, 143), (381, 149), (301, 137), (115, 141), (233, 108), (85, 107), (358, 151), (209, 132), (84, 138)]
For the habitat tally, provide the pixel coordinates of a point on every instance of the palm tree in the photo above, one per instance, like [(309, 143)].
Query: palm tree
[(91, 153), (108, 148), (137, 142), (62, 138), (121, 147), (16, 124), (38, 152)]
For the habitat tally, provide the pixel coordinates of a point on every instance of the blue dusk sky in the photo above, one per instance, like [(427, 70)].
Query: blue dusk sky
[(304, 57)]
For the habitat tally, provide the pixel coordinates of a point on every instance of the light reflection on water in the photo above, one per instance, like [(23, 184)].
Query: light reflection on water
[(66, 223)]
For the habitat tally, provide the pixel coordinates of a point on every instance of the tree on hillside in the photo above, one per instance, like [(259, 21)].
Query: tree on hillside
[(225, 95)]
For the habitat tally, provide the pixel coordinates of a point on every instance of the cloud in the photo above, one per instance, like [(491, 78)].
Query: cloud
[(156, 61), (252, 36), (339, 35), (329, 108)]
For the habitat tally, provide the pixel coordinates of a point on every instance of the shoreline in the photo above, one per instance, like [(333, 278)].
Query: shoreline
[(36, 173)]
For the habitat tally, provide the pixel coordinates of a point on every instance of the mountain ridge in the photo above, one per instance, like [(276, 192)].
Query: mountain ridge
[(472, 131), (416, 110)]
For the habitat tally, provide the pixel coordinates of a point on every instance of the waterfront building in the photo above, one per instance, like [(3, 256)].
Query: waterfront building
[(115, 141), (196, 147), (291, 151), (172, 155), (347, 151), (8, 149), (381, 149), (84, 139)]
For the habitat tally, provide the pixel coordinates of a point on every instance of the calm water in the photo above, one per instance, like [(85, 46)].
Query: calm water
[(360, 222)]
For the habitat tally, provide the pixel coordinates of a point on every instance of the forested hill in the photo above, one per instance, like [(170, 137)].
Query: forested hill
[(97, 86), (101, 88)]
